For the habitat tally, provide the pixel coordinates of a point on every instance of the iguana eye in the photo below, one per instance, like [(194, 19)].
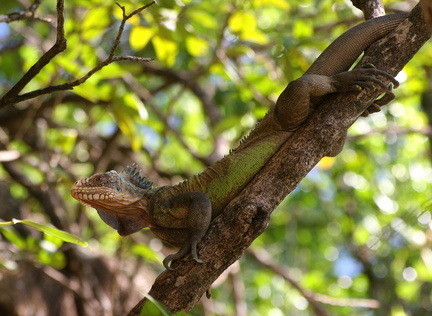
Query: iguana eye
[(118, 189), (98, 178)]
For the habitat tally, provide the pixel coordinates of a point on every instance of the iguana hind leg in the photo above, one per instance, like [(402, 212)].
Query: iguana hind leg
[(188, 216), (302, 96), (294, 104)]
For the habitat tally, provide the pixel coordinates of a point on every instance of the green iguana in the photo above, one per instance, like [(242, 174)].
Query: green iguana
[(181, 214)]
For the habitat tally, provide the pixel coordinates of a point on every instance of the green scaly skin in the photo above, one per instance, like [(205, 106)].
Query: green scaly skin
[(181, 214)]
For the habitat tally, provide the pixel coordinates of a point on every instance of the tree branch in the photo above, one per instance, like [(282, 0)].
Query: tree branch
[(59, 46), (371, 8), (247, 216), (12, 97), (313, 298), (29, 13)]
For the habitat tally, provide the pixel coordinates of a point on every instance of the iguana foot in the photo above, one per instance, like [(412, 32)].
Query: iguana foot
[(365, 77), (360, 78), (187, 246)]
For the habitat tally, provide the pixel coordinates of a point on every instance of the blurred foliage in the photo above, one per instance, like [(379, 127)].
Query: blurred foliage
[(358, 227)]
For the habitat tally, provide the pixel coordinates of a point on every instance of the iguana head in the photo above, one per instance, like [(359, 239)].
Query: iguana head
[(119, 198)]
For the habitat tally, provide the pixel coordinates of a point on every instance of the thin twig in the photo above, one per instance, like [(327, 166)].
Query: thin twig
[(393, 130), (132, 58), (12, 97), (313, 298), (263, 258), (146, 98), (29, 13)]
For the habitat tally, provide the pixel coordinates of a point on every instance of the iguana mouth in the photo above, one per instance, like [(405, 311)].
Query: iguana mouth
[(90, 194), (92, 197)]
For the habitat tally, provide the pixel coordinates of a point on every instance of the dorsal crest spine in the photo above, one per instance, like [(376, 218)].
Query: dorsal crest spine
[(133, 174)]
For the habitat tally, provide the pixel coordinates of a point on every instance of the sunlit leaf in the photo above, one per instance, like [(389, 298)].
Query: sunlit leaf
[(244, 24), (166, 50), (302, 29), (201, 18), (282, 4), (126, 114), (140, 36), (112, 71), (196, 46), (326, 163), (95, 22), (88, 92), (241, 22)]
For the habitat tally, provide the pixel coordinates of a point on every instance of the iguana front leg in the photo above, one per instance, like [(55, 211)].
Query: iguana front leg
[(301, 96), (181, 220)]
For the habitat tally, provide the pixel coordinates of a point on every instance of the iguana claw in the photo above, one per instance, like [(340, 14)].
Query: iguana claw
[(365, 77), (167, 261), (187, 246)]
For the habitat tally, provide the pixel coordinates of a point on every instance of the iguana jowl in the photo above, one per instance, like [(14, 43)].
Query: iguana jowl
[(181, 214)]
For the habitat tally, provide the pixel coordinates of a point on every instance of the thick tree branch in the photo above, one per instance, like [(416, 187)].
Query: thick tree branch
[(246, 217)]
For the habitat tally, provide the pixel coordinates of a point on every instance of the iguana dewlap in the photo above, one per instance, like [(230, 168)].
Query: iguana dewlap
[(180, 214)]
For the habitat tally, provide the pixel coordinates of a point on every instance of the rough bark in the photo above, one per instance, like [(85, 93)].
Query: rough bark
[(246, 217), (371, 8)]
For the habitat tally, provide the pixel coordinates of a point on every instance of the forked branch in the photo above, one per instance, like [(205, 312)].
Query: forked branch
[(13, 96)]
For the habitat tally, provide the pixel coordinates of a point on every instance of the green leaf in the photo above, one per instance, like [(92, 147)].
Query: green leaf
[(50, 231), (196, 46), (126, 111), (140, 36), (87, 91), (62, 138), (12, 236), (241, 22), (202, 18), (95, 22), (166, 50), (244, 24), (153, 307), (302, 29), (282, 4), (146, 252)]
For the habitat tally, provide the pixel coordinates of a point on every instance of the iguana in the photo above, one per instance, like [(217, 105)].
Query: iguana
[(181, 214)]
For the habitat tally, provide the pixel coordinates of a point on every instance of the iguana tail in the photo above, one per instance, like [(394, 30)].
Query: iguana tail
[(343, 52)]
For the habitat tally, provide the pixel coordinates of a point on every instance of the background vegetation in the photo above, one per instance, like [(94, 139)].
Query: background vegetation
[(355, 235)]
